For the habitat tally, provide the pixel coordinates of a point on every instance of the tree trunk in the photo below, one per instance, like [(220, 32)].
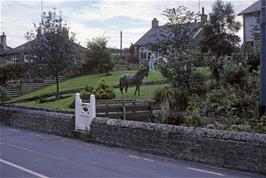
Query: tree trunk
[(57, 85)]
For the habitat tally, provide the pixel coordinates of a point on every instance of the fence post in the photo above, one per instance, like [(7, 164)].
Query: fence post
[(77, 110), (124, 111), (92, 107)]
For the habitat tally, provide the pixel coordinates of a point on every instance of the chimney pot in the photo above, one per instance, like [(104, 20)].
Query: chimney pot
[(154, 23), (3, 39), (203, 16)]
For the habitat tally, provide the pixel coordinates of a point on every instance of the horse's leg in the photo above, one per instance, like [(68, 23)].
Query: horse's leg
[(139, 89), (121, 86), (136, 90), (126, 87)]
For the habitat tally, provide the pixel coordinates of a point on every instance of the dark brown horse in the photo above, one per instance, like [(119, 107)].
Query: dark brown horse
[(126, 80)]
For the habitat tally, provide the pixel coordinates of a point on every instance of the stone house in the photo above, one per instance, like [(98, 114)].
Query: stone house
[(251, 25), (21, 54), (142, 48)]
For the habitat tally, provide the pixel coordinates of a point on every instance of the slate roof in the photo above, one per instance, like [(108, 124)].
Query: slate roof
[(20, 49), (161, 32), (256, 7), (4, 49), (27, 46)]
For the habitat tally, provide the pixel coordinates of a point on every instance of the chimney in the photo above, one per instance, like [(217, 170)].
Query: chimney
[(3, 39), (203, 16), (154, 23)]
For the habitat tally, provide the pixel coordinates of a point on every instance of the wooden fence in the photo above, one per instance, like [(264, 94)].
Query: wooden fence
[(29, 86), (126, 109)]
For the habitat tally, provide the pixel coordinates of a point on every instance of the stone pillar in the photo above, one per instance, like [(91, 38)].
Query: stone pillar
[(77, 111), (92, 107)]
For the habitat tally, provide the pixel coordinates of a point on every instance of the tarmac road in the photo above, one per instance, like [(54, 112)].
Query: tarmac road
[(32, 154)]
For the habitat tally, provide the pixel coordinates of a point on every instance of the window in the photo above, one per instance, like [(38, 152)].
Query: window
[(142, 53), (26, 58), (14, 59)]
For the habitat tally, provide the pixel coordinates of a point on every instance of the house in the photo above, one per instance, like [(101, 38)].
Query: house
[(251, 18), (3, 48), (142, 47), (21, 54)]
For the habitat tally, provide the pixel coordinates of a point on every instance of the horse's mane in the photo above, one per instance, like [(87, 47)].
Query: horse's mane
[(141, 72)]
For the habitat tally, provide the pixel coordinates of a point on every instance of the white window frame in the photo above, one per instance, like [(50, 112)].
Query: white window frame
[(14, 59)]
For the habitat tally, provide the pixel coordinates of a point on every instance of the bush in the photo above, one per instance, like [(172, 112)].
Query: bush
[(89, 89), (198, 85), (102, 91), (165, 94), (234, 74), (3, 94), (193, 117)]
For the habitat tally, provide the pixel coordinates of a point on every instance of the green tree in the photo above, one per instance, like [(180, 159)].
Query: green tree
[(9, 71), (178, 31), (53, 47), (219, 34), (98, 55), (179, 65)]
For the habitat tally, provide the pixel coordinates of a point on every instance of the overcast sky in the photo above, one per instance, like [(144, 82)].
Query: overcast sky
[(88, 19)]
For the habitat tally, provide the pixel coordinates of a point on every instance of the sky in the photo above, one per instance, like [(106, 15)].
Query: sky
[(89, 19)]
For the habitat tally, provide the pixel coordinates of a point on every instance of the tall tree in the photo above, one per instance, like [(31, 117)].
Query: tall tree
[(9, 71), (98, 55), (219, 34), (53, 47), (177, 32)]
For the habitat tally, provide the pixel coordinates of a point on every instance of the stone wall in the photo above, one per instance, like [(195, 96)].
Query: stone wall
[(44, 120), (237, 150)]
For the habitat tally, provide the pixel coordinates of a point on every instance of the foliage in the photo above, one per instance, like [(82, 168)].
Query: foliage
[(178, 70), (104, 91), (219, 33), (9, 71), (250, 56), (88, 89), (165, 94), (234, 74), (2, 94), (198, 84), (193, 117), (180, 23), (53, 49), (98, 55)]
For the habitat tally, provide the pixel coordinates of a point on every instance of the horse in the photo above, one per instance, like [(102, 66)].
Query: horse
[(126, 80)]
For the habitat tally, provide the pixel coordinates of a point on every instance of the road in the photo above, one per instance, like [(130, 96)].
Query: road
[(33, 154)]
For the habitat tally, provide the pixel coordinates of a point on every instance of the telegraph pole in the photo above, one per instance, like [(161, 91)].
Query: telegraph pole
[(121, 52), (262, 108), (41, 6)]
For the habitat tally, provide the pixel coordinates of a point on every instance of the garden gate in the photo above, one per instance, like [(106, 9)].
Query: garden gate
[(84, 112)]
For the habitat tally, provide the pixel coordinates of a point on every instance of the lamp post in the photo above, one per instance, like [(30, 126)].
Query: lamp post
[(263, 60)]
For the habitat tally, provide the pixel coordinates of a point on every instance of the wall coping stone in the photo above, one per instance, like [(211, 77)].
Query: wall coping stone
[(13, 106), (196, 132)]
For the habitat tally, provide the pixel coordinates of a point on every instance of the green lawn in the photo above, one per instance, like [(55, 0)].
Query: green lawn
[(90, 80), (146, 94)]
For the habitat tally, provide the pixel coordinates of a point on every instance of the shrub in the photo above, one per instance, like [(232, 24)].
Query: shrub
[(198, 84), (165, 94), (104, 91), (193, 117), (234, 74), (89, 89), (3, 94)]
